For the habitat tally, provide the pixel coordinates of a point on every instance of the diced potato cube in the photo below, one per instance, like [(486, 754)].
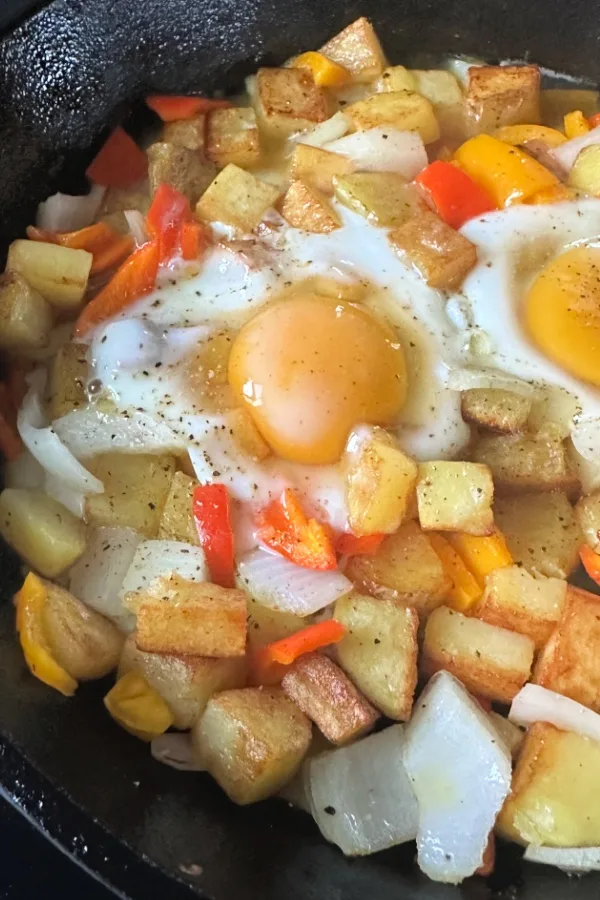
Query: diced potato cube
[(455, 496), (246, 435), (288, 100), (528, 462), (316, 167), (189, 617), (58, 273), (188, 133), (490, 661), (185, 170), (266, 625), (135, 489), (232, 137), (541, 532), (502, 95), (514, 599), (176, 520), (67, 379), (186, 683), (404, 110), (495, 409), (306, 208), (384, 198), (396, 78), (585, 174), (357, 48), (442, 255), (568, 664), (554, 794), (42, 531), (439, 86), (557, 102), (25, 317), (236, 198), (405, 568), (587, 511), (252, 741), (379, 651), (328, 697)]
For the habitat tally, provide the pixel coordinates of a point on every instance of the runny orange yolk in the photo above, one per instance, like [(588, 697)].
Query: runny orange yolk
[(562, 312), (309, 368)]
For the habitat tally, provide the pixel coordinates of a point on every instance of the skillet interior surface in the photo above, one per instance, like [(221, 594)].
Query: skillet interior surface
[(67, 74)]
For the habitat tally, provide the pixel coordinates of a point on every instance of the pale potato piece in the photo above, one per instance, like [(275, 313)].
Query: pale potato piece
[(380, 483), (568, 664), (396, 78), (404, 110), (514, 599), (176, 520), (455, 496), (306, 208), (554, 797), (252, 741), (442, 255), (67, 378), (405, 568), (86, 644), (527, 462), (316, 167), (502, 95), (236, 198), (288, 100), (541, 532), (186, 683), (585, 174), (490, 661), (384, 198), (188, 133), (379, 651), (267, 625), (135, 490), (185, 170), (587, 511), (232, 137), (58, 273), (327, 696), (25, 317), (495, 409), (557, 102), (357, 48), (439, 86), (189, 617)]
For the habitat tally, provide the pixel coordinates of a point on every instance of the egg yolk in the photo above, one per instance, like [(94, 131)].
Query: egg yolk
[(309, 368), (562, 312)]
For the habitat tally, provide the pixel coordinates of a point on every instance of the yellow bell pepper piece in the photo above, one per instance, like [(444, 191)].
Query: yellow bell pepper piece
[(505, 172), (325, 72), (138, 708), (556, 194), (481, 555), (30, 602), (520, 134), (465, 589), (576, 124)]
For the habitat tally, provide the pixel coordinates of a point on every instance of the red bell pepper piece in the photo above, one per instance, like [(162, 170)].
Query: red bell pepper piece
[(210, 508), (594, 121), (348, 544), (119, 163), (452, 193), (195, 238), (171, 109), (269, 663), (591, 562), (284, 527), (169, 210)]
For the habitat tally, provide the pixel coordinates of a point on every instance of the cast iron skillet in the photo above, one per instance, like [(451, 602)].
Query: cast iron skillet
[(67, 74)]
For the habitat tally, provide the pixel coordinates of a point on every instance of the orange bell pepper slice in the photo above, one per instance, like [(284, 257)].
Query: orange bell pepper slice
[(591, 562), (172, 109), (453, 194), (195, 238), (285, 528), (108, 247), (325, 72), (138, 708), (465, 591), (594, 121), (348, 544), (270, 663), (119, 162), (212, 515)]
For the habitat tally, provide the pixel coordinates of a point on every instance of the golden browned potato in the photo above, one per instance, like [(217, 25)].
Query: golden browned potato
[(67, 379), (41, 530), (502, 95), (490, 661), (252, 741), (86, 644), (587, 511), (25, 317), (405, 568), (267, 625), (176, 520), (135, 490), (306, 208), (396, 78), (568, 664), (455, 496), (327, 696), (189, 617), (555, 786), (557, 102), (357, 48), (514, 599), (527, 462), (404, 110), (236, 198), (58, 273), (188, 133), (288, 100), (185, 170), (232, 137), (379, 651), (442, 255), (541, 532), (495, 409), (384, 198), (316, 167), (186, 683)]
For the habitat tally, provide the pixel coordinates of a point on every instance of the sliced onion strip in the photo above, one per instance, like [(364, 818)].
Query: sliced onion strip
[(383, 149), (176, 751), (534, 703), (566, 154), (137, 225), (87, 432), (66, 212)]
